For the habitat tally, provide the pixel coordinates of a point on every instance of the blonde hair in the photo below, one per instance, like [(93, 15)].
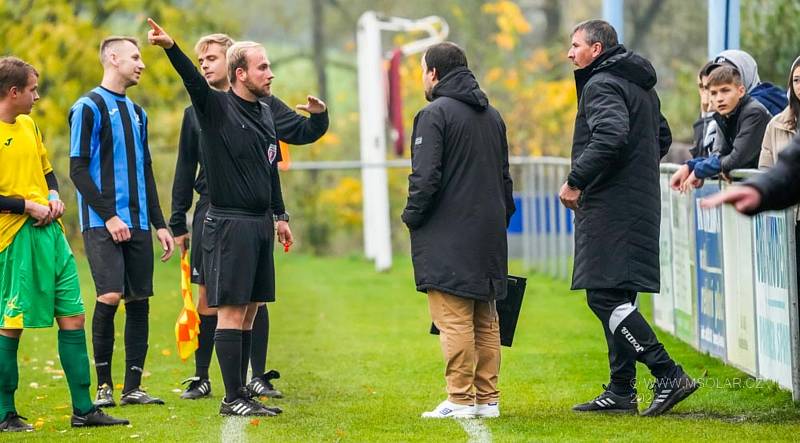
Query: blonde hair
[(108, 42), (218, 39), (237, 57)]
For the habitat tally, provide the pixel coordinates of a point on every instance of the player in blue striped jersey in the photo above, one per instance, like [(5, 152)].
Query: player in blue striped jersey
[(111, 167)]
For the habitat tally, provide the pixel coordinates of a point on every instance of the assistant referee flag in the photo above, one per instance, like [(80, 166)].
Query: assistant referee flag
[(188, 325)]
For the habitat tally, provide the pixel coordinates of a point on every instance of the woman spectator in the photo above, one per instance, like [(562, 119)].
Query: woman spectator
[(783, 126)]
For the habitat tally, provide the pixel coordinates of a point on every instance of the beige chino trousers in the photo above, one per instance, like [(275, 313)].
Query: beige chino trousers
[(470, 339)]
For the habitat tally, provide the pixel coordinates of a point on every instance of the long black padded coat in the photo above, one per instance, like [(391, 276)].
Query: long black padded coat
[(620, 137), (460, 192)]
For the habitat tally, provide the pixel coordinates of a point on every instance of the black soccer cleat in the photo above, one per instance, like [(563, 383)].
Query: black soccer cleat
[(96, 417), (274, 410), (198, 388), (139, 397), (13, 422), (609, 402), (262, 386), (244, 407), (669, 391), (104, 397)]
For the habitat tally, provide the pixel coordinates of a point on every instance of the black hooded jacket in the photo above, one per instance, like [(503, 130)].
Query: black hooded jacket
[(620, 137), (460, 192)]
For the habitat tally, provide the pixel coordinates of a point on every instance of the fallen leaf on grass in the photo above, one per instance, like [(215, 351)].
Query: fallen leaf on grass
[(255, 422)]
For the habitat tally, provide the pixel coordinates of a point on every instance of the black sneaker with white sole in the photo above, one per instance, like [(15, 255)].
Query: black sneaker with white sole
[(104, 398), (13, 422), (198, 388), (139, 397), (610, 402), (96, 417), (262, 386), (669, 391)]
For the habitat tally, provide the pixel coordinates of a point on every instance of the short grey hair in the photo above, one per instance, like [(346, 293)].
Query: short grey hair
[(598, 31)]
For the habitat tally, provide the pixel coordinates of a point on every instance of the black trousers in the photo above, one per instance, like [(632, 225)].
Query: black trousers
[(629, 338)]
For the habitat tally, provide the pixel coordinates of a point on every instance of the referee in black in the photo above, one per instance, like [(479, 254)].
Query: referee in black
[(239, 145), (190, 176)]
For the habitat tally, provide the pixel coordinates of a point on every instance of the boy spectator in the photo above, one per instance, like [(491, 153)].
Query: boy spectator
[(741, 121)]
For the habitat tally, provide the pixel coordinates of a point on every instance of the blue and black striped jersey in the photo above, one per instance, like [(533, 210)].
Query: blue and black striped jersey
[(109, 131)]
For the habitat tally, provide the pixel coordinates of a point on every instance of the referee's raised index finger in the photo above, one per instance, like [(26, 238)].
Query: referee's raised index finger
[(154, 25)]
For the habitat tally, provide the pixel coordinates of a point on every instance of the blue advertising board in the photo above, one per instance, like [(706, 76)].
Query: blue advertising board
[(710, 283)]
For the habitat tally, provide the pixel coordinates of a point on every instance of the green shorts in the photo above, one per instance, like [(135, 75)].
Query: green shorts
[(38, 279)]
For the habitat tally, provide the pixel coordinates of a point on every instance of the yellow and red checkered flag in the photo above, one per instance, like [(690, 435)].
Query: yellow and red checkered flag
[(187, 327)]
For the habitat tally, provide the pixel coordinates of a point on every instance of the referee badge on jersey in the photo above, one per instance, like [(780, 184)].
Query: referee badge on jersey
[(272, 152)]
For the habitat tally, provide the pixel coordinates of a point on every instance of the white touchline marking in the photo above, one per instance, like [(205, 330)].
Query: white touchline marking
[(477, 431), (232, 430)]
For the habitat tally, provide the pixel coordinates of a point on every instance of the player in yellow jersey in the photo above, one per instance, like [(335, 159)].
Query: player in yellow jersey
[(38, 277)]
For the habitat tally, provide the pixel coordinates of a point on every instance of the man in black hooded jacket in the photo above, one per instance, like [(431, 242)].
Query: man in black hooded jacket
[(613, 187), (459, 204)]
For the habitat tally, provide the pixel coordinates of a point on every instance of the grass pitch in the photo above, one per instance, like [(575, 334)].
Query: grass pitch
[(358, 365)]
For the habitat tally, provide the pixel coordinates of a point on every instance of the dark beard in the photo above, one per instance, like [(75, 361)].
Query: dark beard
[(255, 91)]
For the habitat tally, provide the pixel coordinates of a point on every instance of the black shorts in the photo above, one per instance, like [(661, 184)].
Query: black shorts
[(125, 267), (196, 245), (237, 255)]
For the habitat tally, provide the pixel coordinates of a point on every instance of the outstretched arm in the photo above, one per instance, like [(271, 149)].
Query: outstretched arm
[(297, 129), (195, 84)]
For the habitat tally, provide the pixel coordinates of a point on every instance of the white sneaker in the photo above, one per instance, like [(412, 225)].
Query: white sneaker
[(489, 410), (448, 409)]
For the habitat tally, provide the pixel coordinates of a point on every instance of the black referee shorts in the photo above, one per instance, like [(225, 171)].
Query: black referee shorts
[(196, 249), (237, 255), (125, 267)]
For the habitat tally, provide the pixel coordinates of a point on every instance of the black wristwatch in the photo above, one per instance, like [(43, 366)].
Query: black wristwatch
[(281, 217)]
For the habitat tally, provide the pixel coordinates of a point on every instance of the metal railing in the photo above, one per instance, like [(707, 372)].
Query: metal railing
[(546, 234), (542, 236)]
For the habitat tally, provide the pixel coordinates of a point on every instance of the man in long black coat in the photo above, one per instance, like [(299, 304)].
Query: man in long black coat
[(620, 136), (459, 204)]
